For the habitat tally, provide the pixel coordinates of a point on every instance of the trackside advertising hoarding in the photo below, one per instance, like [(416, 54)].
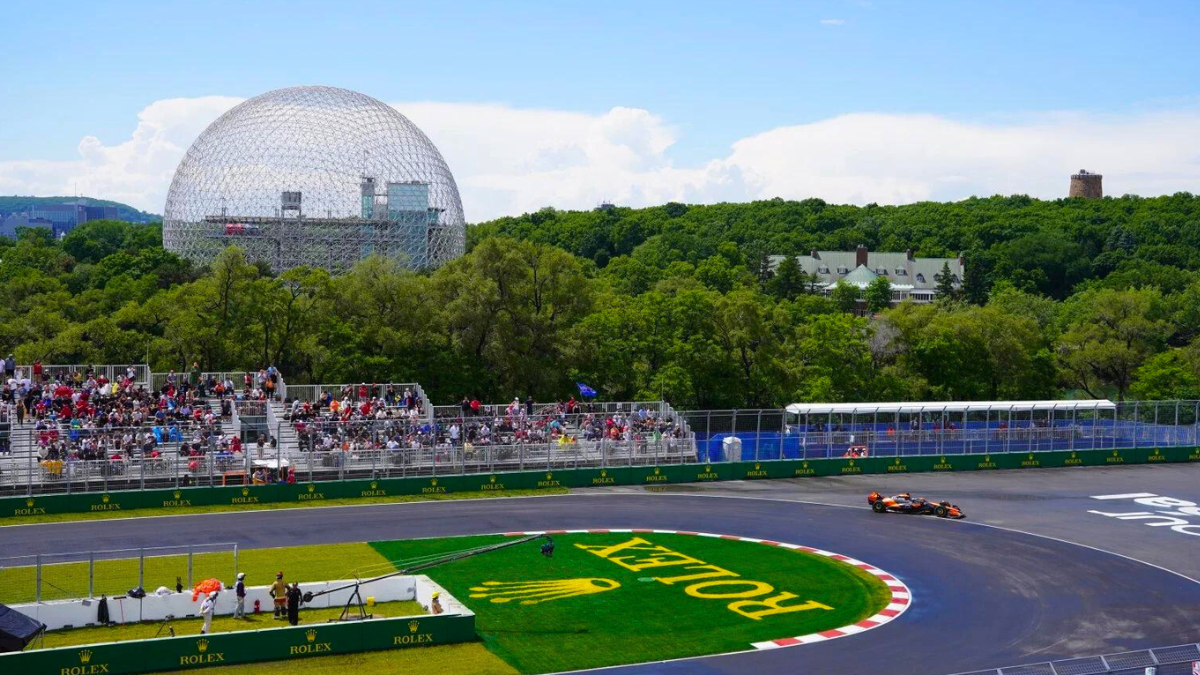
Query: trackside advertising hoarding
[(273, 644), (253, 496)]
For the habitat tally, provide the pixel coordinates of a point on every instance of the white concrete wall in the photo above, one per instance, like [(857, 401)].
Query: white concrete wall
[(425, 588), (76, 613)]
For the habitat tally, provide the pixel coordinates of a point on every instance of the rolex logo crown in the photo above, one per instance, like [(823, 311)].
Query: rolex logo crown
[(177, 494), (757, 466), (311, 487), (245, 491), (433, 481), (201, 645), (85, 656), (549, 476), (413, 626), (491, 479), (311, 635), (534, 592), (374, 485), (656, 470), (29, 502), (603, 472), (105, 498)]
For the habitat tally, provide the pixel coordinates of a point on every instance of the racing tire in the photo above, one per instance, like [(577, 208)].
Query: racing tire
[(879, 506), (940, 512)]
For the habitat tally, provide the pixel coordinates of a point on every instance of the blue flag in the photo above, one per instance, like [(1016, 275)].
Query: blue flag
[(585, 390)]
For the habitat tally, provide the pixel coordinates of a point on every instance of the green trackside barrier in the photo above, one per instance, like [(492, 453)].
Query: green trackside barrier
[(271, 644), (252, 496)]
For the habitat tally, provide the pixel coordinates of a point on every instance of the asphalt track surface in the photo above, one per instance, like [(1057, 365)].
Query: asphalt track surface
[(983, 596)]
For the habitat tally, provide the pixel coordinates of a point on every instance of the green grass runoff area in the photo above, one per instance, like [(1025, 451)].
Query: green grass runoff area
[(115, 577), (471, 658), (578, 619), (270, 506), (602, 599)]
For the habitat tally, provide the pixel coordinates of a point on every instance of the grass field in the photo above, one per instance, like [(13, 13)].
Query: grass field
[(271, 506), (465, 659), (642, 618), (115, 577), (602, 599), (221, 624)]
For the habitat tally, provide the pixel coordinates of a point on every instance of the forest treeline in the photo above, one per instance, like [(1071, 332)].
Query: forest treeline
[(1060, 298)]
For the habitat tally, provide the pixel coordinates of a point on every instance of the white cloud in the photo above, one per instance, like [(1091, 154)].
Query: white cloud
[(136, 171), (833, 22), (508, 160)]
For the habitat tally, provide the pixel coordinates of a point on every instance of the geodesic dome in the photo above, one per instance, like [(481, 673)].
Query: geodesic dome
[(314, 176)]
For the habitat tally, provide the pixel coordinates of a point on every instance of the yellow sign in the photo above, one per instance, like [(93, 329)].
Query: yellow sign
[(756, 472), (203, 657), (987, 463), (433, 488), (656, 477), (603, 479), (311, 646), (1029, 462), (1156, 456), (705, 581), (534, 592), (414, 637), (804, 470), (86, 667), (1073, 460)]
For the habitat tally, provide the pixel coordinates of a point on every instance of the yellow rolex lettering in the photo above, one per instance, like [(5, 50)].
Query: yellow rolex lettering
[(773, 605), (756, 589), (637, 543), (666, 560), (716, 572)]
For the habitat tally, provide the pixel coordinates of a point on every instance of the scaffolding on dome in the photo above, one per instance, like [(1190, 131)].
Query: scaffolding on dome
[(290, 177)]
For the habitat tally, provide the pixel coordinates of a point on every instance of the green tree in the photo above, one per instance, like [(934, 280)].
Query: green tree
[(789, 280), (945, 289), (878, 294), (1110, 335), (845, 296)]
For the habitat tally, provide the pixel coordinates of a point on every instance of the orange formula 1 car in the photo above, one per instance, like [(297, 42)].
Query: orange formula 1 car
[(906, 503)]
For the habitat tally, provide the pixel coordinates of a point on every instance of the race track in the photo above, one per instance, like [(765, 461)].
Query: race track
[(983, 596)]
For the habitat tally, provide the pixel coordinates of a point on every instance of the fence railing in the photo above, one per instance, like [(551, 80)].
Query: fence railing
[(67, 371), (1177, 660), (89, 574), (774, 434), (326, 449)]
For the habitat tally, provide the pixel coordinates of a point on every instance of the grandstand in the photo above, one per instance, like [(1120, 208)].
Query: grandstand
[(77, 428), (100, 428)]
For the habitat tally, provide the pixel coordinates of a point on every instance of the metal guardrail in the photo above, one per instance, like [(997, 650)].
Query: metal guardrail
[(1177, 660)]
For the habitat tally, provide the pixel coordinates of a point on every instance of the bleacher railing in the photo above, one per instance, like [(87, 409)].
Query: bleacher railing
[(67, 371)]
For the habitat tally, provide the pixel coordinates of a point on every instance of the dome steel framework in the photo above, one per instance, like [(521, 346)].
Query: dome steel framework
[(314, 176)]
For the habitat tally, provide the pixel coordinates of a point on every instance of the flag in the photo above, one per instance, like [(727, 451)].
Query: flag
[(585, 390), (1195, 667)]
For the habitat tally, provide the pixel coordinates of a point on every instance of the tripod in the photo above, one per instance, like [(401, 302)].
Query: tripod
[(354, 598), (166, 624)]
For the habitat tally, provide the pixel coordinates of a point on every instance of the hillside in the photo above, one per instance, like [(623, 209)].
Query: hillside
[(18, 204)]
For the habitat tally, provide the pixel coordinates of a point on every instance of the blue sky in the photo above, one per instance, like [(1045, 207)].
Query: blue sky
[(712, 73)]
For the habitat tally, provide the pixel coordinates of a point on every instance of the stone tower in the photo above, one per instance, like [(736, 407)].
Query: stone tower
[(1087, 185)]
